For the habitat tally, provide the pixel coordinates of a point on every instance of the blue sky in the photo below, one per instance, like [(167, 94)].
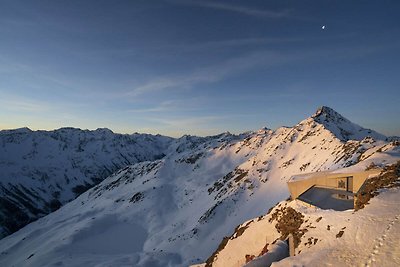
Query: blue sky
[(197, 67)]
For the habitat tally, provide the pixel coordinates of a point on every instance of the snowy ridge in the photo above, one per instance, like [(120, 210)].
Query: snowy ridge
[(41, 170), (328, 237), (176, 210), (342, 127)]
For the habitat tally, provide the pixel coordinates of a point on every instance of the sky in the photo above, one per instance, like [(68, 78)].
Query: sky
[(197, 67)]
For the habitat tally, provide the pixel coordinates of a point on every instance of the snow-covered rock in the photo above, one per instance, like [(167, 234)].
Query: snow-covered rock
[(341, 127), (325, 237), (42, 170), (176, 210)]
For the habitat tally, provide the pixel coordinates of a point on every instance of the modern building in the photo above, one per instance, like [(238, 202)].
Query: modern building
[(329, 190)]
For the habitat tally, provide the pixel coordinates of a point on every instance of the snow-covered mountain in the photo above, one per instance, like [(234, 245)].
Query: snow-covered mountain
[(176, 210), (341, 127), (42, 170), (367, 237)]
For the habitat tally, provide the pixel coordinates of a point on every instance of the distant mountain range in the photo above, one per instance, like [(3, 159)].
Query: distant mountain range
[(163, 211), (42, 170)]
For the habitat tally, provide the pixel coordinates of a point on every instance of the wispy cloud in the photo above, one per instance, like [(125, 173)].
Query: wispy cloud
[(244, 10), (246, 62), (37, 71), (38, 105), (162, 107), (21, 104), (233, 43), (188, 121), (211, 74)]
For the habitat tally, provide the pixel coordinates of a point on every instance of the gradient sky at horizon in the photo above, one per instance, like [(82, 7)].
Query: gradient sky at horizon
[(197, 67)]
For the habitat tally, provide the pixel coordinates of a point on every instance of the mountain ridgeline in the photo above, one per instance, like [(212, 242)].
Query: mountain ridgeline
[(42, 170), (175, 210)]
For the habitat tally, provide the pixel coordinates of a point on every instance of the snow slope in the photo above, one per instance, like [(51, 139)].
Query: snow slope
[(362, 230), (176, 210), (342, 127), (371, 236), (41, 170)]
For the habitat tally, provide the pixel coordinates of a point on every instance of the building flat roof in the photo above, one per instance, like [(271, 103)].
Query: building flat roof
[(304, 176), (331, 174)]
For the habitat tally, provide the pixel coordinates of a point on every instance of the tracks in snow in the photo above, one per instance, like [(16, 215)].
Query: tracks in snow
[(380, 242)]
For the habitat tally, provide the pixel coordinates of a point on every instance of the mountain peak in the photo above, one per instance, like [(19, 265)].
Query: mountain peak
[(16, 131), (341, 127), (104, 131), (326, 113)]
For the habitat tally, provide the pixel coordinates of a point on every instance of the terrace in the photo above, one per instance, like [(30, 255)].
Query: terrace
[(329, 190)]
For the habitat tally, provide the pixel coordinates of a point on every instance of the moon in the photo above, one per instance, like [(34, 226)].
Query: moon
[(323, 27)]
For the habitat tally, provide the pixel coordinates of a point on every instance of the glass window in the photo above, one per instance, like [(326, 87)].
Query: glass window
[(342, 183)]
